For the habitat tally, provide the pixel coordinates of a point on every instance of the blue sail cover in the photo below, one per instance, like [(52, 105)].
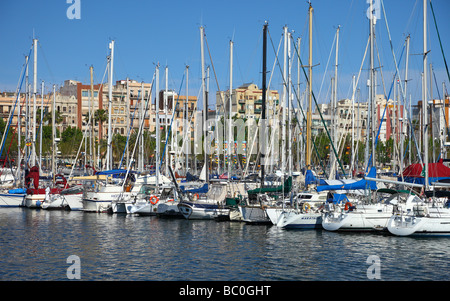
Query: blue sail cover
[(118, 173), (361, 184), (339, 198), (115, 172), (203, 189), (17, 191), (311, 179)]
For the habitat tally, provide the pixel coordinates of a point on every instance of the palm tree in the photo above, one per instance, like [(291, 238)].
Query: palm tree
[(100, 117)]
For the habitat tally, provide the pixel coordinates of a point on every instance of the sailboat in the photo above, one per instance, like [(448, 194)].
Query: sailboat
[(426, 217), (210, 204), (36, 196), (148, 194), (10, 196), (304, 209), (106, 189), (67, 199), (254, 212), (430, 215)]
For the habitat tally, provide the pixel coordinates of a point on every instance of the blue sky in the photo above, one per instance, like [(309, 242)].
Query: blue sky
[(148, 32)]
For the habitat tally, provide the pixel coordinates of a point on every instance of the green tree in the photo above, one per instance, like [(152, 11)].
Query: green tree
[(100, 117), (70, 141)]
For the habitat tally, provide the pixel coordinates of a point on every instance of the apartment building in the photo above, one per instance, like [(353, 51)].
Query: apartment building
[(246, 101)]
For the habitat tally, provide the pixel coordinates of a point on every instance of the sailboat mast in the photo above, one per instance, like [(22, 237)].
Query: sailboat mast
[(284, 105), (110, 82), (372, 82), (40, 132), (424, 100), (230, 105), (352, 161), (405, 99), (186, 132), (91, 111), (335, 127), (53, 134), (205, 105), (19, 133), (158, 143), (289, 109), (140, 139), (308, 114), (166, 112), (263, 107), (33, 138), (27, 111), (300, 145)]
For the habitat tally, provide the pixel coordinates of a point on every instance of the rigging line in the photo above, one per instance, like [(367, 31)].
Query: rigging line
[(46, 62), (382, 117), (79, 148), (442, 107), (440, 43), (101, 108), (214, 71), (129, 130), (149, 100), (318, 109), (398, 75), (279, 109), (304, 117), (171, 122), (328, 61), (11, 114), (295, 91)]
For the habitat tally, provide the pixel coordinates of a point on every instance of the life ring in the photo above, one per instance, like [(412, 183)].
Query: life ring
[(306, 207), (348, 205), (196, 196), (154, 197), (170, 200)]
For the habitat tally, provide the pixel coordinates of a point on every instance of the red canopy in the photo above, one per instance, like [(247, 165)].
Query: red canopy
[(435, 170)]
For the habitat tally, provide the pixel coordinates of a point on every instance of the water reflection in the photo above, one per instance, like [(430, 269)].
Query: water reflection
[(36, 243)]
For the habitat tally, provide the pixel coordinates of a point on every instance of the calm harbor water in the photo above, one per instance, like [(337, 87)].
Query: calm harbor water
[(35, 245)]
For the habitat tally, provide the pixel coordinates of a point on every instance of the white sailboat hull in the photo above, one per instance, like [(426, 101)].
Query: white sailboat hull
[(168, 209), (294, 219), (145, 208), (357, 221), (373, 217), (64, 201), (34, 200), (201, 210), (11, 200), (254, 214), (102, 201), (433, 222)]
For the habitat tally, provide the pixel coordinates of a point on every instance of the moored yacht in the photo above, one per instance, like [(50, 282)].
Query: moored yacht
[(423, 217), (305, 212), (108, 188), (365, 216)]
